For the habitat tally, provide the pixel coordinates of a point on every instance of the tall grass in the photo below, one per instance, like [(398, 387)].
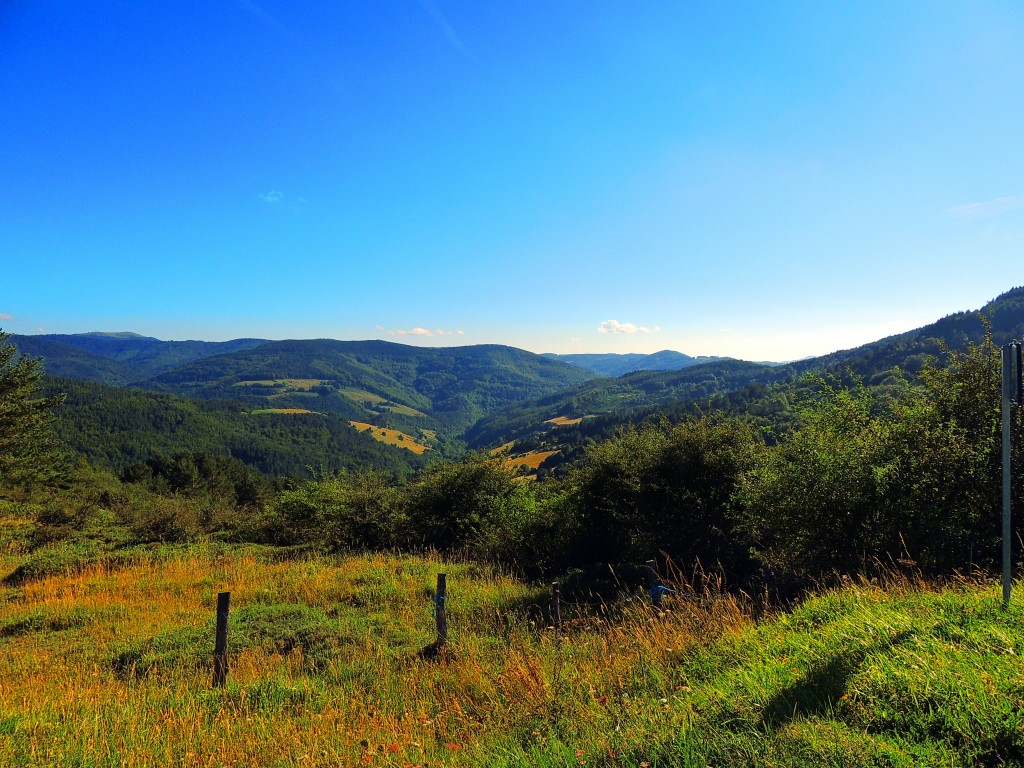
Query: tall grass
[(109, 665)]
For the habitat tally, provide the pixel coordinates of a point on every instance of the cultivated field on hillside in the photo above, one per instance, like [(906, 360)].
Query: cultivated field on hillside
[(391, 437)]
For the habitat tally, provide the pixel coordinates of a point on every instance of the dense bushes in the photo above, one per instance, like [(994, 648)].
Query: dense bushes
[(918, 479), (661, 489)]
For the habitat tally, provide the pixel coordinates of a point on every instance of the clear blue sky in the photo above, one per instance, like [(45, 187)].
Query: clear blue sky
[(762, 180)]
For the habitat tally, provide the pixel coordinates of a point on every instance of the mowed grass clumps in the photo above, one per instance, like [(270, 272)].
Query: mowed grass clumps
[(112, 666)]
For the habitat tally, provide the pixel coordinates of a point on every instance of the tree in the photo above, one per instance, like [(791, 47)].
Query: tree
[(28, 448), (662, 488), (477, 506)]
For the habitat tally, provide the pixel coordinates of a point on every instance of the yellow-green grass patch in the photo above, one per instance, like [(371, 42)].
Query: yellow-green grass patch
[(404, 410), (285, 410), (391, 437), (299, 384), (361, 396), (563, 421), (502, 448)]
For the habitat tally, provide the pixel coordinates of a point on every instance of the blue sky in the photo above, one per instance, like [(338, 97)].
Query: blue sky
[(762, 180)]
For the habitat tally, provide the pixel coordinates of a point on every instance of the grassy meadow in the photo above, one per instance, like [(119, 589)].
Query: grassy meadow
[(109, 664), (391, 437)]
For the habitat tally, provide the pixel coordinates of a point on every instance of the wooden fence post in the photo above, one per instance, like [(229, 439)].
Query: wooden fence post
[(440, 598), (556, 611), (220, 650), (655, 583)]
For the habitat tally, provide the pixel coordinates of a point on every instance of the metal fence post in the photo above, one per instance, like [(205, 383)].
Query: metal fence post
[(440, 612)]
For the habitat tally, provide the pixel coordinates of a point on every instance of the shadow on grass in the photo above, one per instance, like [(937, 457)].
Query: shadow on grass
[(434, 652), (819, 691)]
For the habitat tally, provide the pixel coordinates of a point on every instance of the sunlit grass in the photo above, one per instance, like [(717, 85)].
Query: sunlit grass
[(906, 675)]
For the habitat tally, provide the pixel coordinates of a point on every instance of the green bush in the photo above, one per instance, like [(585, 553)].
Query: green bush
[(475, 506)]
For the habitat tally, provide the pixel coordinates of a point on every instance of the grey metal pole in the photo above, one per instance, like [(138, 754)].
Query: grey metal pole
[(1008, 352), (441, 610)]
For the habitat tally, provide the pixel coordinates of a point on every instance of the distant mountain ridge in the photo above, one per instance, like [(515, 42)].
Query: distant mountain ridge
[(120, 358), (616, 364)]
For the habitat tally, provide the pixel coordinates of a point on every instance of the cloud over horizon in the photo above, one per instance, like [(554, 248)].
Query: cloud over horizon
[(418, 331), (614, 326), (5, 316)]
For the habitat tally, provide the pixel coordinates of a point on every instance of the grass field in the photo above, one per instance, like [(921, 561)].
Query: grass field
[(293, 384), (109, 665), (404, 410), (531, 460), (362, 396), (283, 410), (391, 437), (564, 421)]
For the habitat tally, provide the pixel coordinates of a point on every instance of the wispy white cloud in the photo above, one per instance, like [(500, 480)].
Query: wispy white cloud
[(614, 326), (269, 19), (273, 197), (418, 331), (446, 28), (5, 316), (40, 330), (989, 208)]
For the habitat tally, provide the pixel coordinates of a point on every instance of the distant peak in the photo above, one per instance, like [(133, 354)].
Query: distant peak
[(116, 334)]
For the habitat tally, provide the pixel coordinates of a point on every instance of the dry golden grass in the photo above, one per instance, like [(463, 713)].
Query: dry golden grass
[(497, 691), (391, 437), (563, 421), (502, 448), (531, 460)]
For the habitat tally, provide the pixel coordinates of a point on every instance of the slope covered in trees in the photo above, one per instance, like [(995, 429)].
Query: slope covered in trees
[(115, 427), (765, 392)]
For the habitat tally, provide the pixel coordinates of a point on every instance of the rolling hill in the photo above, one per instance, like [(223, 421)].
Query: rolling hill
[(612, 364)]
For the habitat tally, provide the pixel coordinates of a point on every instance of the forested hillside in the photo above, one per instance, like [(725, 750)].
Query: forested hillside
[(566, 422), (119, 358), (116, 427)]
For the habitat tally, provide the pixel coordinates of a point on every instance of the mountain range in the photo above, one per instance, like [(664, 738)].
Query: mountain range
[(399, 407)]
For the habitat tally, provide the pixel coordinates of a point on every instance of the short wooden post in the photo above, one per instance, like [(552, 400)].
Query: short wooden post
[(556, 611), (220, 650), (440, 598), (654, 583)]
